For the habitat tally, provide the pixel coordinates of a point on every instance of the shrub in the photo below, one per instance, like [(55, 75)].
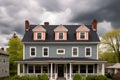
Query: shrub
[(94, 77), (33, 78), (101, 77), (25, 78), (116, 76), (77, 77), (16, 77), (90, 77), (43, 77)]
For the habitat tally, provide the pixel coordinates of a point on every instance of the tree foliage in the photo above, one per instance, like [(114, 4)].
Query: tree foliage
[(109, 57), (15, 51), (112, 40)]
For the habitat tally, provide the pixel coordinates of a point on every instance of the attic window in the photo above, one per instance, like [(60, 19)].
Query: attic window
[(39, 35), (60, 35), (82, 35)]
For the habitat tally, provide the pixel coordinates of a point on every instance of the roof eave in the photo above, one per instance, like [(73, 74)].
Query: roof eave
[(61, 42)]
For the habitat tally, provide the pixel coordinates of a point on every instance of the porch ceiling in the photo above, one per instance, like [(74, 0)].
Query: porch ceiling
[(60, 60)]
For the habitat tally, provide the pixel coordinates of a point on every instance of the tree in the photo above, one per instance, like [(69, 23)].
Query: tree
[(112, 40), (109, 57), (15, 51)]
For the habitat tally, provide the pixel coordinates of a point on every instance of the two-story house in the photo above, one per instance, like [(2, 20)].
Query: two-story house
[(60, 50), (4, 63)]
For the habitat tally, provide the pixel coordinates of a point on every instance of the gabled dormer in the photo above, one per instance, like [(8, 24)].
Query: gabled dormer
[(82, 33), (61, 32), (39, 33)]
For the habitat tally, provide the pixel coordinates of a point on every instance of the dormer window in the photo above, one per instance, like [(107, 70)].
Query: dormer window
[(82, 33), (61, 35), (39, 33), (61, 32)]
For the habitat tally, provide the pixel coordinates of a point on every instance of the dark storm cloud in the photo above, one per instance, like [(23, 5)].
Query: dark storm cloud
[(13, 13), (50, 5), (110, 12)]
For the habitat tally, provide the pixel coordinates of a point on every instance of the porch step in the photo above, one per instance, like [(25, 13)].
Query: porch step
[(61, 78)]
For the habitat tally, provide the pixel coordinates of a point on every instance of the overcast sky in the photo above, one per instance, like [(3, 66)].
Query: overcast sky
[(13, 13)]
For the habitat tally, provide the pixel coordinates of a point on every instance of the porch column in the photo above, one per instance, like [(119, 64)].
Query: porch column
[(103, 68), (23, 69), (51, 73), (70, 71), (66, 72), (18, 69), (79, 68), (41, 69), (116, 70), (97, 69), (34, 69), (55, 71), (86, 70)]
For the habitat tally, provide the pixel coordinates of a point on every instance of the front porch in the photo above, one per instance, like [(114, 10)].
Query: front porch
[(61, 69)]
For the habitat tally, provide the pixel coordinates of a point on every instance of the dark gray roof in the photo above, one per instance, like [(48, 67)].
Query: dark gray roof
[(28, 36), (47, 59), (3, 53)]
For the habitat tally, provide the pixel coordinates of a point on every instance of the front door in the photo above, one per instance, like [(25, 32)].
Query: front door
[(60, 70)]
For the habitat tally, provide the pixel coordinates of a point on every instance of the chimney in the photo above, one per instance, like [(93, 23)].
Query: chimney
[(27, 25), (46, 23), (2, 49), (94, 25)]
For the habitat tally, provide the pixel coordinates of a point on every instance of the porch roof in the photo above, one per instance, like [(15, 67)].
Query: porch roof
[(55, 60), (115, 66)]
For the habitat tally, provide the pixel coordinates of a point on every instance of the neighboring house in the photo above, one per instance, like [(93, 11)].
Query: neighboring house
[(60, 50), (112, 68), (4, 63)]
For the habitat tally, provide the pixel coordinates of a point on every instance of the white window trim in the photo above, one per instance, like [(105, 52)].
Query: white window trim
[(61, 53), (63, 35), (84, 35), (37, 35), (90, 52), (30, 52), (43, 52), (77, 52)]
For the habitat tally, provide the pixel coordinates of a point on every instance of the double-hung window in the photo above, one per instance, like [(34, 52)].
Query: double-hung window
[(45, 51), (32, 51), (82, 35), (60, 35), (75, 51), (88, 51), (39, 35)]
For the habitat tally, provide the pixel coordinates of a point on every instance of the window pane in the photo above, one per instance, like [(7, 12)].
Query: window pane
[(39, 35), (30, 69), (60, 51), (45, 51), (87, 51), (37, 69), (60, 35), (82, 68), (90, 68), (45, 68), (82, 35), (75, 68), (75, 51), (32, 51)]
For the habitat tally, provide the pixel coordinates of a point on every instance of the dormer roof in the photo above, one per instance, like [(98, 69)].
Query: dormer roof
[(82, 28), (39, 28), (50, 37), (61, 28)]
